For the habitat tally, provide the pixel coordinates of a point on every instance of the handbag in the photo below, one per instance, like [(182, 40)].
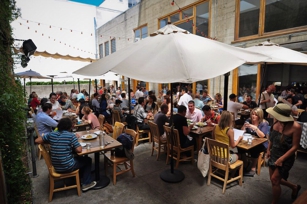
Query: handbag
[(203, 161)]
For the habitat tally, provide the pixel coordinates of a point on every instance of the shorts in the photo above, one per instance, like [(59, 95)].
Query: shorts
[(233, 158)]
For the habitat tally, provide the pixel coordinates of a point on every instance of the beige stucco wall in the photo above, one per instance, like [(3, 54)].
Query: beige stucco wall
[(222, 27)]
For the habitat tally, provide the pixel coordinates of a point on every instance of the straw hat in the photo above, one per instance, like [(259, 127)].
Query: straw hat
[(281, 112)]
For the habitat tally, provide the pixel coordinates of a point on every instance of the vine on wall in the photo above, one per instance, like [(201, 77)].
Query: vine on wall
[(12, 114)]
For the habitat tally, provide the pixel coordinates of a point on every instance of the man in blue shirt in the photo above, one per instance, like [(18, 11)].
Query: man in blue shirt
[(43, 121), (62, 144)]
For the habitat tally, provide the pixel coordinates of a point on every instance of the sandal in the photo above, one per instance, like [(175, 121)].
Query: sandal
[(294, 196)]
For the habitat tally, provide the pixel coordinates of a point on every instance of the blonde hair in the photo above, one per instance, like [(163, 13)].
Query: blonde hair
[(87, 110), (226, 120), (259, 113)]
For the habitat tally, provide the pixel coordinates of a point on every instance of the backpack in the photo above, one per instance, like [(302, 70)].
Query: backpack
[(126, 149)]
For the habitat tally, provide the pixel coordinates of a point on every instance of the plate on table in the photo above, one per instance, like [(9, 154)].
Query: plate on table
[(201, 124), (88, 136), (194, 128), (82, 144)]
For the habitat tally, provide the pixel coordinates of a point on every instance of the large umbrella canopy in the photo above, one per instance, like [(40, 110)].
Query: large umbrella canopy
[(172, 54), (30, 74), (278, 54)]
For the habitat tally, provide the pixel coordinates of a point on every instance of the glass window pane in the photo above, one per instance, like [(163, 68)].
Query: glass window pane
[(106, 46), (175, 17), (247, 82), (187, 13), (101, 51), (113, 46), (249, 17), (285, 14), (137, 35), (186, 26), (202, 18), (144, 32), (163, 22)]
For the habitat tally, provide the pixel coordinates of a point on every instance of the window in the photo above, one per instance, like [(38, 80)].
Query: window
[(247, 82), (113, 45), (106, 47), (100, 51), (262, 17), (140, 33), (163, 22)]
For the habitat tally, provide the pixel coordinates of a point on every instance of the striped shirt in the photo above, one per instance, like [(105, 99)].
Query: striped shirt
[(61, 146)]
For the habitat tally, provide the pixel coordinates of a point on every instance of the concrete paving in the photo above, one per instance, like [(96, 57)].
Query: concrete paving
[(147, 187)]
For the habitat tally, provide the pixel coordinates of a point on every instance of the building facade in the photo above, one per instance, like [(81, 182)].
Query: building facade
[(241, 23)]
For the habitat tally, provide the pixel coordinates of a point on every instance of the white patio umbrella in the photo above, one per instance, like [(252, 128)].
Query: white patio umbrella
[(169, 55), (30, 74), (278, 54), (172, 54)]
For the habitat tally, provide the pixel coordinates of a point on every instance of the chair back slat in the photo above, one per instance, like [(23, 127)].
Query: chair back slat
[(101, 119), (172, 137), (46, 158), (219, 153), (118, 129), (154, 129), (115, 116)]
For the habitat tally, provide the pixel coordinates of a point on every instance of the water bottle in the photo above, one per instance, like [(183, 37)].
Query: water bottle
[(101, 139)]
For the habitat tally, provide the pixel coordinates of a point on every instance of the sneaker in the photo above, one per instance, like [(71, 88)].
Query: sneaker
[(250, 173), (88, 186)]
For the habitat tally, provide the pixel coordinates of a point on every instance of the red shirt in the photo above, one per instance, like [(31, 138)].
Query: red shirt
[(34, 103), (214, 117)]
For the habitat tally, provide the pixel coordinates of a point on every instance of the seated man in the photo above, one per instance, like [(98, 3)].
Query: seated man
[(248, 101), (234, 107), (211, 117), (206, 97), (43, 121), (68, 105), (198, 103), (125, 103), (140, 114), (193, 113), (160, 119), (117, 107), (62, 144), (56, 107), (181, 124)]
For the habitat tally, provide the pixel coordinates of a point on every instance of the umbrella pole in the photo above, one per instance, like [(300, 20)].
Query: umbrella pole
[(30, 85), (89, 87), (24, 87), (172, 175), (96, 86), (79, 85), (226, 78), (73, 79), (129, 97), (51, 84), (264, 68)]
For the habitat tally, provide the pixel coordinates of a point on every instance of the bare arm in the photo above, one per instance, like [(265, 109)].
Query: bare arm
[(78, 149), (232, 142), (39, 140)]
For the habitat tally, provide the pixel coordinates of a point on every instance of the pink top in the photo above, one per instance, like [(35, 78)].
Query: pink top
[(94, 120), (195, 116)]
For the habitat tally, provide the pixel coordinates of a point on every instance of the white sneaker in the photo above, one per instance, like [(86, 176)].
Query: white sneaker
[(89, 186)]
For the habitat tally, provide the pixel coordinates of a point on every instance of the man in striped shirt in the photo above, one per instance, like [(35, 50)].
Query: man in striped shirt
[(62, 144)]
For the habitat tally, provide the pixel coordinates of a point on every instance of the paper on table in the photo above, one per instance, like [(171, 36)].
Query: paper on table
[(59, 114), (237, 133)]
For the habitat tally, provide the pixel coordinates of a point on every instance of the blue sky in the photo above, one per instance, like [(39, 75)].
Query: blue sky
[(90, 2)]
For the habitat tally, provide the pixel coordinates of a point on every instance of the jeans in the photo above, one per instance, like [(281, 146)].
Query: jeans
[(84, 164)]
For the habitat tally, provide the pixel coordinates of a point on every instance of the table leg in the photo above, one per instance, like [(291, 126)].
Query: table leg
[(102, 181), (199, 138)]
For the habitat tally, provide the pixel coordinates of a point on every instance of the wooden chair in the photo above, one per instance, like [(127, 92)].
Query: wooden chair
[(260, 162), (118, 129), (54, 176), (115, 117), (141, 133), (154, 130), (219, 160), (101, 120), (177, 150), (110, 158)]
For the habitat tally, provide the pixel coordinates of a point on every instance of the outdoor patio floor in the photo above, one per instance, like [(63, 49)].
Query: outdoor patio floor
[(147, 187)]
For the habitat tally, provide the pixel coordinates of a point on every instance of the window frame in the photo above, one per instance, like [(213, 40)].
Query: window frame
[(140, 29), (261, 33), (105, 48), (113, 40), (101, 53)]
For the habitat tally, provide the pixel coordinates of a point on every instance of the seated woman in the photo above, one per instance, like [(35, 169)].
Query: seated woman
[(90, 118), (150, 105), (256, 126), (223, 132), (219, 101)]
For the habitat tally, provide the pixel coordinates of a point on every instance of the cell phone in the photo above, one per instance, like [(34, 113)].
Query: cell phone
[(246, 122)]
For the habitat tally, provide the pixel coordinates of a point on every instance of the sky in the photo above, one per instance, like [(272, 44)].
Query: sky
[(61, 26)]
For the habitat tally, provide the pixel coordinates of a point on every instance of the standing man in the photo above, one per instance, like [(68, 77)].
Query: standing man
[(43, 121), (267, 99), (160, 119), (251, 104), (139, 93), (193, 113), (234, 107), (185, 97)]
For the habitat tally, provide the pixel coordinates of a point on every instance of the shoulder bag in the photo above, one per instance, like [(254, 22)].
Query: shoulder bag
[(203, 161)]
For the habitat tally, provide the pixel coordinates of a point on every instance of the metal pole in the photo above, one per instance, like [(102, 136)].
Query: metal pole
[(73, 79), (89, 87), (129, 97), (78, 84), (52, 84), (96, 86), (31, 131), (30, 85), (24, 87), (226, 78)]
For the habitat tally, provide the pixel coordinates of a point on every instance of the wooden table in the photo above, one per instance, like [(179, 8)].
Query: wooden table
[(82, 126), (256, 141), (96, 149), (301, 199), (199, 133)]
